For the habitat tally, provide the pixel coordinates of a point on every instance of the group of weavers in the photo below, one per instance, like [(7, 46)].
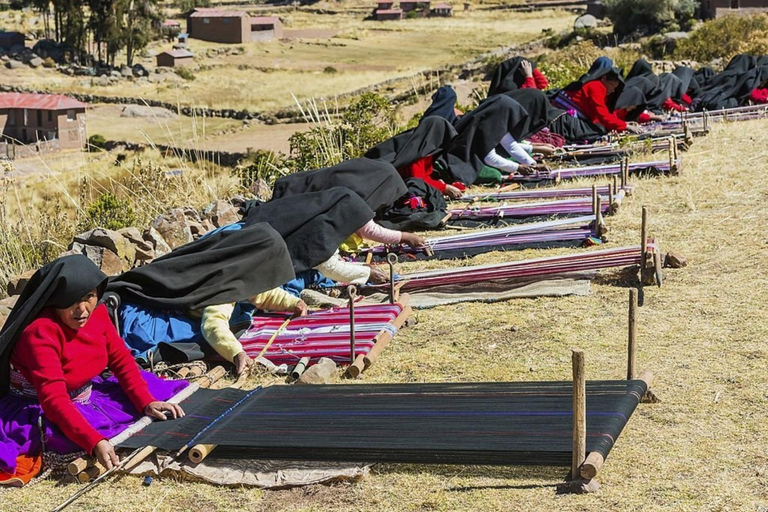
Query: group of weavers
[(59, 338)]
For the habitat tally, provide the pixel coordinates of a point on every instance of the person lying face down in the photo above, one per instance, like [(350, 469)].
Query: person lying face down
[(516, 73), (593, 97), (631, 106), (55, 344)]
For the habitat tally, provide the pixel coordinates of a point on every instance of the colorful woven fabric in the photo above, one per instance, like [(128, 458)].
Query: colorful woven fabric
[(320, 334)]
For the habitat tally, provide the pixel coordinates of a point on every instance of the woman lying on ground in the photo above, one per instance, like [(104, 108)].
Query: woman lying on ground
[(592, 98), (55, 345)]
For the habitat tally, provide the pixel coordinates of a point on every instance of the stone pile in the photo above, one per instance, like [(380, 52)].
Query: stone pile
[(115, 252)]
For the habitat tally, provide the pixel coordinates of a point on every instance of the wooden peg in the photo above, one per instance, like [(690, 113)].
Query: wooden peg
[(352, 291), (391, 259), (579, 413), (643, 237), (632, 344)]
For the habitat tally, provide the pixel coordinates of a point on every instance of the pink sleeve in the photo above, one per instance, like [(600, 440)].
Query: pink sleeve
[(372, 231)]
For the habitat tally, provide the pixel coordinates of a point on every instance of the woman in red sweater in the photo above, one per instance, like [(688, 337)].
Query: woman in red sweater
[(55, 344)]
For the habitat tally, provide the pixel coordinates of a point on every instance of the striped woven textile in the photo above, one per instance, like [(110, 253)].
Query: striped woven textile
[(545, 208), (548, 193), (503, 423), (659, 166), (561, 230), (540, 268), (322, 333)]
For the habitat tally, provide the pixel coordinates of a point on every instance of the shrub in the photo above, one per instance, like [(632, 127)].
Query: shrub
[(724, 38), (564, 66), (96, 142), (649, 16), (109, 212), (368, 121), (265, 165), (184, 73), (330, 70)]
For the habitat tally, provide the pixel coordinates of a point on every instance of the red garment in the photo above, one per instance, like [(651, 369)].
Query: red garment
[(591, 101), (671, 105), (759, 96), (686, 99), (541, 81), (530, 83), (423, 170), (56, 360), (644, 117)]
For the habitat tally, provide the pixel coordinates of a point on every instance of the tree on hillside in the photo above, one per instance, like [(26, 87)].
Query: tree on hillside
[(649, 16), (188, 5), (138, 20)]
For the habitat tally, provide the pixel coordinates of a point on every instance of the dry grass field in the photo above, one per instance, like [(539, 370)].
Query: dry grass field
[(361, 53), (703, 448)]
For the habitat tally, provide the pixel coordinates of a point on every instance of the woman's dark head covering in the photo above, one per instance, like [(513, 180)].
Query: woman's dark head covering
[(314, 224), (602, 62), (685, 74), (431, 137), (672, 84), (480, 131), (740, 64), (376, 181), (641, 67), (59, 284), (508, 76), (443, 104), (596, 74), (631, 97), (223, 267), (537, 105)]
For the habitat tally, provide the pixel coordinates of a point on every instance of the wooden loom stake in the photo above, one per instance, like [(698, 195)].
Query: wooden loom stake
[(352, 291), (594, 202), (391, 260), (632, 345), (643, 238), (579, 413)]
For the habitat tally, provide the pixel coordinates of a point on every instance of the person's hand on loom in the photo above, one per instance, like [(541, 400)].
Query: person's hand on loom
[(300, 309), (105, 454), (452, 192), (412, 239), (242, 362), (157, 410), (378, 276)]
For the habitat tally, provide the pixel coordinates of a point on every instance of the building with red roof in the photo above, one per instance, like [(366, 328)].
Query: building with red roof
[(222, 26), (442, 9), (41, 122)]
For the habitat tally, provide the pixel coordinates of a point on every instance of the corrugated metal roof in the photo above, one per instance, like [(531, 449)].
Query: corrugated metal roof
[(178, 54), (265, 20), (389, 11), (443, 5), (38, 101), (201, 12), (171, 23)]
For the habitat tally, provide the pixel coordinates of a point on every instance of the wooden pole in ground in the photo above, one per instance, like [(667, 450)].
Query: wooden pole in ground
[(391, 260), (594, 202), (579, 413), (352, 294), (643, 238), (632, 345)]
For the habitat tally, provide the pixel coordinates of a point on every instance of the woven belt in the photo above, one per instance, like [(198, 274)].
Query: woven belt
[(22, 388)]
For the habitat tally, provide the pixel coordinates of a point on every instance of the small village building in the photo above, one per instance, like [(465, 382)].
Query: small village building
[(10, 39), (388, 14), (221, 26), (384, 5), (720, 8), (266, 28), (442, 9), (411, 5), (175, 58), (40, 122), (182, 38)]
